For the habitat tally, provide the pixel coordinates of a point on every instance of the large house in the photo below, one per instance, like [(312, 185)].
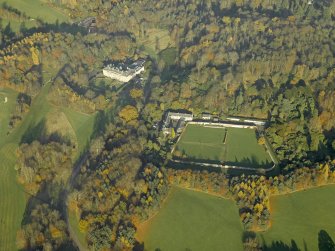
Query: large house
[(176, 121), (124, 72)]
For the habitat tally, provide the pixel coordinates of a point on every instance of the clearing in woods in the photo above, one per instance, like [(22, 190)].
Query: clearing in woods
[(156, 40), (190, 220)]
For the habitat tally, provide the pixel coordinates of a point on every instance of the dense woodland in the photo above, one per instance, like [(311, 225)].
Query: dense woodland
[(265, 59)]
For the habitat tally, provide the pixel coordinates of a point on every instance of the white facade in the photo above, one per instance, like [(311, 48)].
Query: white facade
[(123, 76), (178, 116)]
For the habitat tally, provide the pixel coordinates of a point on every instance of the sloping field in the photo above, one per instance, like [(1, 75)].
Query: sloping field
[(82, 124), (6, 109), (12, 195), (300, 216), (193, 221), (37, 9), (12, 199)]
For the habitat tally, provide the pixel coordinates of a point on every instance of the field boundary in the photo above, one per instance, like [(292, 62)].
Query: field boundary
[(223, 166)]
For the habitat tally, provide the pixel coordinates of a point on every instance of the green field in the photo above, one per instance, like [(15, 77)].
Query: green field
[(37, 9), (201, 143), (12, 195), (300, 216), (82, 124), (243, 149), (194, 221), (191, 220), (6, 109), (12, 199)]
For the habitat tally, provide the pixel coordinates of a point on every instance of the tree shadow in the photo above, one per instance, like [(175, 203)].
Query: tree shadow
[(248, 235), (281, 246), (36, 132), (100, 122), (325, 242), (249, 162)]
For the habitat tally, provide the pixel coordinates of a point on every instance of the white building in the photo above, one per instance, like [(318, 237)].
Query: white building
[(178, 116), (206, 116), (123, 72)]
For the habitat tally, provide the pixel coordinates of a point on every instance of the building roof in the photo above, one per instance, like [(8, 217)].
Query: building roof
[(125, 69), (185, 115)]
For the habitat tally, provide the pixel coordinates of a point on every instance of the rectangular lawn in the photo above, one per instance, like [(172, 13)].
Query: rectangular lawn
[(202, 143), (244, 150), (231, 146)]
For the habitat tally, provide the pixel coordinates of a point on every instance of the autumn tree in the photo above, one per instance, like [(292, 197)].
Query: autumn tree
[(128, 113)]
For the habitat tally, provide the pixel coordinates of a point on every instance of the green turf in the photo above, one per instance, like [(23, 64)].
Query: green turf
[(243, 149), (15, 25), (6, 109), (12, 195), (195, 221), (202, 143), (82, 125), (37, 9), (12, 199), (74, 222), (300, 216)]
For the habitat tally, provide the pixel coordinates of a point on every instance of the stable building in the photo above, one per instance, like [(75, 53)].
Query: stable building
[(177, 121)]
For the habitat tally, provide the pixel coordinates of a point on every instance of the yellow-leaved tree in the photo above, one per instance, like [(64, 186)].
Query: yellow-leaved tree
[(35, 55), (128, 113)]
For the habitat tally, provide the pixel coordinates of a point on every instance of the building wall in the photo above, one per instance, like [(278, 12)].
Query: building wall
[(121, 77)]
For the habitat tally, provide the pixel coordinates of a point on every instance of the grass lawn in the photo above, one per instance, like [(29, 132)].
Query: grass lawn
[(153, 38), (15, 24), (6, 109), (12, 195), (74, 222), (12, 199), (193, 221), (300, 216), (37, 9), (82, 124), (243, 149), (201, 143)]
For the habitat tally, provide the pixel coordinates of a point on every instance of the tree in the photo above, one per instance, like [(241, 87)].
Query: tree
[(128, 113), (261, 140), (136, 93)]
